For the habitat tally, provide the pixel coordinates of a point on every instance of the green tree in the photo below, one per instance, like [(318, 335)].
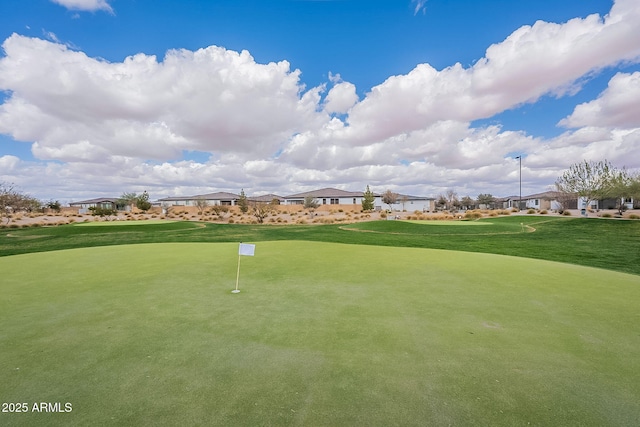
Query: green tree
[(368, 200), (634, 187), (127, 199), (54, 205), (142, 202), (467, 202), (589, 180), (243, 203), (103, 212), (311, 203), (486, 199)]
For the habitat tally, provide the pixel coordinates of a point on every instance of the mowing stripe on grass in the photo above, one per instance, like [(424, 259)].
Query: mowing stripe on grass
[(321, 334)]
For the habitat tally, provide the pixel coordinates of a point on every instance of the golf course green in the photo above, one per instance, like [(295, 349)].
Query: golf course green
[(321, 334)]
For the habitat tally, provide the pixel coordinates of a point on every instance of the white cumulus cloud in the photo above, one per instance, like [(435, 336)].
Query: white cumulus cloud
[(618, 105), (86, 5)]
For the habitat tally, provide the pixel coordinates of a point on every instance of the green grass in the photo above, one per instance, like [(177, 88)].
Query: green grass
[(125, 223), (608, 244), (321, 334)]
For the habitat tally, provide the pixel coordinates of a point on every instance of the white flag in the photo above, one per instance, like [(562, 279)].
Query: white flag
[(247, 249)]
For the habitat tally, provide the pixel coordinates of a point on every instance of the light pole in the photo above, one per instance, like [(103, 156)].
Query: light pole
[(520, 199)]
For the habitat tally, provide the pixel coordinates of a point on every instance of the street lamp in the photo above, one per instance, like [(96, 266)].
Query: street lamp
[(520, 199)]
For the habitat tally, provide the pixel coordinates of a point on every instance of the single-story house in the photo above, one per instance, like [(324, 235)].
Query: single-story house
[(100, 202), (334, 196), (327, 196), (628, 202), (547, 200), (219, 198), (408, 203), (267, 198)]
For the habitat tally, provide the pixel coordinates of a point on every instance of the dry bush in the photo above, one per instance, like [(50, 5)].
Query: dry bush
[(633, 216), (543, 212), (566, 213)]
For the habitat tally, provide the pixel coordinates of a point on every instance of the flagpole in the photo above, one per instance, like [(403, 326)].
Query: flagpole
[(237, 275)]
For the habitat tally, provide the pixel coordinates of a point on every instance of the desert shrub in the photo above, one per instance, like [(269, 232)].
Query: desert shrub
[(543, 212), (531, 211), (514, 209), (231, 221), (566, 213), (383, 215), (473, 215), (607, 215), (301, 221), (493, 213), (634, 216)]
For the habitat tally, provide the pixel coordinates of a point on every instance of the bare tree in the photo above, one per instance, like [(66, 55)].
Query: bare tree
[(452, 199), (220, 210), (565, 200), (589, 180), (389, 198), (11, 200), (261, 210), (311, 204), (202, 204)]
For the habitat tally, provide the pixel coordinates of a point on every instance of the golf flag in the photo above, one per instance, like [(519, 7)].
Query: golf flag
[(247, 249)]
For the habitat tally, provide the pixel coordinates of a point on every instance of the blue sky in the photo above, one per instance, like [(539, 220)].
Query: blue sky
[(357, 113)]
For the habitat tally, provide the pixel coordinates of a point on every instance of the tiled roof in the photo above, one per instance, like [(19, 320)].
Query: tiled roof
[(96, 200), (266, 198), (217, 196), (326, 193)]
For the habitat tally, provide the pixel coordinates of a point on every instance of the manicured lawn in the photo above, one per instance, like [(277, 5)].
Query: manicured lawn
[(321, 334), (119, 223), (609, 244)]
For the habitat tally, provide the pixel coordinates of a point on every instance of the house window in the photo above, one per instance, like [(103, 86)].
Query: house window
[(354, 200), (335, 201), (324, 201), (537, 202)]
